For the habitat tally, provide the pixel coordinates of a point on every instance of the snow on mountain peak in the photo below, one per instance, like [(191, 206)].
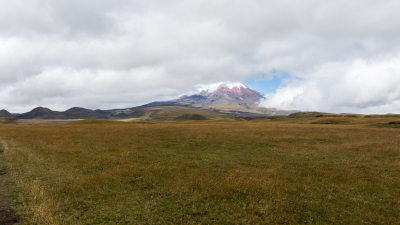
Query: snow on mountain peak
[(214, 87), (232, 85)]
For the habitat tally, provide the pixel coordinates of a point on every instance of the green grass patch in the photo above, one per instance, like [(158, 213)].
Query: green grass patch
[(191, 117), (392, 124), (332, 121)]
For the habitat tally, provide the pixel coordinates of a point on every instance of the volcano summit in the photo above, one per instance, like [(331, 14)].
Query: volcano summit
[(228, 98)]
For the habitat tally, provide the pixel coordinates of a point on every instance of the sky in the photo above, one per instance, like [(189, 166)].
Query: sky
[(310, 55)]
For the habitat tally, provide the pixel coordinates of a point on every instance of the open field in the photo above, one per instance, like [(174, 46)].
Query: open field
[(289, 170)]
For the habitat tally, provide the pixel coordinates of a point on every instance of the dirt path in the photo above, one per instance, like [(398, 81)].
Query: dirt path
[(6, 215)]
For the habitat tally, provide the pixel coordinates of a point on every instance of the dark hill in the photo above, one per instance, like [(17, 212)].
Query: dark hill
[(81, 113), (41, 113), (5, 113)]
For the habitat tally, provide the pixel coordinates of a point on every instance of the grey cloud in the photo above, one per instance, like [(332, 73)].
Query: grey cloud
[(122, 53), (58, 18)]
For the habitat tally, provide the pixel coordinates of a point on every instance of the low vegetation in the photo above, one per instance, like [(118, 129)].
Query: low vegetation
[(191, 117), (286, 170), (351, 115), (332, 121), (7, 120), (392, 124)]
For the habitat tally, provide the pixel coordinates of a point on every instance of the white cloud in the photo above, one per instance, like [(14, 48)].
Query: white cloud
[(298, 94), (363, 86)]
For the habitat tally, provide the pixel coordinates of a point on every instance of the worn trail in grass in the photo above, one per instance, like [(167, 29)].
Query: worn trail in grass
[(6, 214), (258, 172)]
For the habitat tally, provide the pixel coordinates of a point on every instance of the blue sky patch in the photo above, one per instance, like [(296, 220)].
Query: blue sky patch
[(264, 85)]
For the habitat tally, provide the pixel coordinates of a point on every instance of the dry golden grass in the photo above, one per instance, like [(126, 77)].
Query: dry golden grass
[(206, 172)]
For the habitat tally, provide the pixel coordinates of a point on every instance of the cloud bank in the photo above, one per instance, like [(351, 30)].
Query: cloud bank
[(359, 86), (341, 55)]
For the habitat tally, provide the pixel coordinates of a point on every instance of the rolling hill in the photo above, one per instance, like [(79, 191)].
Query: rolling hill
[(42, 113), (174, 113), (5, 113)]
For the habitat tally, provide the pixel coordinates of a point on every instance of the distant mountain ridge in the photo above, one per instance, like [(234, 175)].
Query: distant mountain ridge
[(73, 113), (227, 98)]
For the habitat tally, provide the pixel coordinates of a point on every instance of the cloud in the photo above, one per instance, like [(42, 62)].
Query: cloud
[(107, 54), (362, 86)]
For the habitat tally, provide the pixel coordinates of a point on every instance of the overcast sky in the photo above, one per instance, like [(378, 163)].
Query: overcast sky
[(332, 56)]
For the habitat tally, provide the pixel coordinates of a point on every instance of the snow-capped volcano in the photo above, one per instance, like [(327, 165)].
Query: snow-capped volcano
[(224, 96), (237, 91)]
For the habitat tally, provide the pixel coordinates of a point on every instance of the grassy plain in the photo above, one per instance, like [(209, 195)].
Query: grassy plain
[(288, 170)]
